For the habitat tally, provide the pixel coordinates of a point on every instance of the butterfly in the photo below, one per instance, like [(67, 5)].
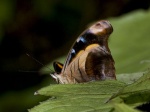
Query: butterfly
[(89, 58)]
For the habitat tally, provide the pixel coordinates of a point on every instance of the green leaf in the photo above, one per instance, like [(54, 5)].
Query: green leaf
[(99, 87), (136, 93), (94, 96), (79, 97), (124, 108), (129, 78), (98, 96)]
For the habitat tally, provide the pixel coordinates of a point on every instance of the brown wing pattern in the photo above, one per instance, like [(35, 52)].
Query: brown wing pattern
[(100, 65), (89, 58)]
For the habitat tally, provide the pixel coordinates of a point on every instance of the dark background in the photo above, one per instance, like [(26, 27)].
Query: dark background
[(44, 29)]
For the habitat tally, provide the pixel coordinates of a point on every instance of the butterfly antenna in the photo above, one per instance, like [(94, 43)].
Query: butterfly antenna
[(27, 71), (39, 62)]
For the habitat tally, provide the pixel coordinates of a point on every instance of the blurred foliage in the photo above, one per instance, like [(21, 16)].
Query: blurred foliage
[(129, 42), (45, 30), (6, 14), (18, 101)]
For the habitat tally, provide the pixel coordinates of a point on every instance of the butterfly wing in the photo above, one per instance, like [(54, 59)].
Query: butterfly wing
[(57, 66), (89, 57), (99, 64)]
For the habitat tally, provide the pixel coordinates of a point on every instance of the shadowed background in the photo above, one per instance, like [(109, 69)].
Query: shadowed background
[(45, 30)]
